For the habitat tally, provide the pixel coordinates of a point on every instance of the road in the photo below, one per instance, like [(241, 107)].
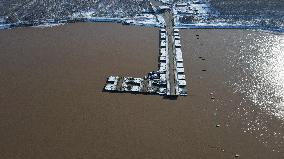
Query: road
[(168, 17), (172, 69)]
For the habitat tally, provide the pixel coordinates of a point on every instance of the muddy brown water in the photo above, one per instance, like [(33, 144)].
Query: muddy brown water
[(52, 104)]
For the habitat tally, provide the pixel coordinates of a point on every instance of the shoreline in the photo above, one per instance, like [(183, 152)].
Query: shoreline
[(126, 21)]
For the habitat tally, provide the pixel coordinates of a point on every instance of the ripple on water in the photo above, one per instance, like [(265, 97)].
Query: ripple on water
[(260, 77), (261, 74)]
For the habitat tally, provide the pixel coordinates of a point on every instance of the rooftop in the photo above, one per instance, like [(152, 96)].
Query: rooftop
[(110, 87), (134, 80), (182, 91), (163, 77), (177, 37), (178, 52), (177, 43), (181, 77), (112, 78), (181, 82), (135, 89), (176, 34), (163, 43), (179, 58), (163, 58), (162, 91), (179, 64), (163, 52), (163, 67), (180, 70), (163, 35)]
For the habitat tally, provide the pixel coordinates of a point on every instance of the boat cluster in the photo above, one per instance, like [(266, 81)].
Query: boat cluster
[(155, 82)]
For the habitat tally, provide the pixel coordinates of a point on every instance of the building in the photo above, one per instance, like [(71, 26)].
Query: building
[(179, 59), (163, 52), (182, 83), (176, 30), (163, 68), (163, 77), (163, 36), (163, 8), (177, 37), (135, 89), (178, 52), (163, 59), (131, 84), (179, 65), (163, 44), (111, 84), (177, 44), (162, 91), (176, 34), (180, 70), (181, 77)]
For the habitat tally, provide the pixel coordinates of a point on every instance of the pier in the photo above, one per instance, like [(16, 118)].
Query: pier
[(171, 58), (169, 79)]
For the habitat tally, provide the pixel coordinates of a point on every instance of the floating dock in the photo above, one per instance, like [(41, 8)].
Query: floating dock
[(168, 80)]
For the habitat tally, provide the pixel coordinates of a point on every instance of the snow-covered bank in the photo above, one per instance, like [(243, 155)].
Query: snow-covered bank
[(187, 14), (147, 20), (199, 14), (226, 26)]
